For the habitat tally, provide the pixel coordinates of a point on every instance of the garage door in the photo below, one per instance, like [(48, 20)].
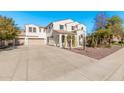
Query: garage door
[(35, 42)]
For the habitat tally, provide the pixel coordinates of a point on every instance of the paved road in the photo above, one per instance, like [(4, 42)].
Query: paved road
[(51, 63)]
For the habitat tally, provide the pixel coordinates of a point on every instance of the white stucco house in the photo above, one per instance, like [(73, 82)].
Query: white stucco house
[(34, 35), (55, 33)]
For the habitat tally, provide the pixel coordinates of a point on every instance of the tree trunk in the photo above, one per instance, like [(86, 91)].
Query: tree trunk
[(110, 41), (122, 41), (13, 43), (3, 43), (0, 43), (84, 43)]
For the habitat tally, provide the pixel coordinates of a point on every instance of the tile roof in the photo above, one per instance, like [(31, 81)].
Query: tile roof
[(62, 31)]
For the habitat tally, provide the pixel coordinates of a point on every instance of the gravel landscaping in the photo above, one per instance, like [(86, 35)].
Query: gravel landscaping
[(97, 53)]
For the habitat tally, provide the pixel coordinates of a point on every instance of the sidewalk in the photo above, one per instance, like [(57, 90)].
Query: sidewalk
[(108, 68)]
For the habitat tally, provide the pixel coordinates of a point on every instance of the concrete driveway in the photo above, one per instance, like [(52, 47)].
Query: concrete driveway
[(51, 63)]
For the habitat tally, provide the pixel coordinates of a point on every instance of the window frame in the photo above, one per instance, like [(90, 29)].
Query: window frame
[(44, 30), (30, 29), (34, 31), (82, 28), (61, 27), (40, 30), (72, 27)]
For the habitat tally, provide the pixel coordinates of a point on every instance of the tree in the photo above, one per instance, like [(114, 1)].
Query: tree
[(69, 39), (100, 21), (8, 29), (114, 20), (115, 24), (100, 38), (73, 41), (106, 30)]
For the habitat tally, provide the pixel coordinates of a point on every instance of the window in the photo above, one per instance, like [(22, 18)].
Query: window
[(76, 27), (40, 30), (44, 30), (73, 27), (30, 29), (81, 28), (34, 29), (51, 25), (61, 27)]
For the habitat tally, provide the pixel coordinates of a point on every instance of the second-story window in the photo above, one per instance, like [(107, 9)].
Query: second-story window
[(82, 28), (30, 29), (73, 28), (61, 27), (34, 29), (44, 30), (40, 30), (76, 27)]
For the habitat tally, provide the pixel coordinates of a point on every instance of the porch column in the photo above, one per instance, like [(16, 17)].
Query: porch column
[(26, 41), (66, 43), (77, 40), (75, 36), (60, 40), (45, 40)]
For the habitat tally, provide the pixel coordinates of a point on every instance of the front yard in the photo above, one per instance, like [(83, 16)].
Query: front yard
[(97, 53)]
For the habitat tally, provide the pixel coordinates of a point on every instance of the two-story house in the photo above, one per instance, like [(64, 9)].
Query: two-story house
[(55, 33), (34, 35)]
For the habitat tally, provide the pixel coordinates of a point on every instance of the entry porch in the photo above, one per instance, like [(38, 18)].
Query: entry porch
[(61, 40)]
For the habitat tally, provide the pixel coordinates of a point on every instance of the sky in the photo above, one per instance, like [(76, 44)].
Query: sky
[(43, 18)]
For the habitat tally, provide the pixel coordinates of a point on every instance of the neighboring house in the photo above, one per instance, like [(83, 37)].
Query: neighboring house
[(34, 35), (116, 38), (55, 33)]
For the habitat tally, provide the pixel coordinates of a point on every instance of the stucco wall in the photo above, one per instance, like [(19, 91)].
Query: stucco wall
[(38, 33)]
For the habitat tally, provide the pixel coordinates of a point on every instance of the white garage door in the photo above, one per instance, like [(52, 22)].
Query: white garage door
[(35, 42)]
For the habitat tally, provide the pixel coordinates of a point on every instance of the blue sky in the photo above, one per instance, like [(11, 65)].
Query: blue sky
[(43, 18)]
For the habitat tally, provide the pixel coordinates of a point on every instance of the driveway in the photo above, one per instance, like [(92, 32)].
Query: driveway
[(51, 63)]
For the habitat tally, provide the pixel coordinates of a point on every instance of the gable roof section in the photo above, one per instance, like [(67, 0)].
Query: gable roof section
[(65, 20)]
